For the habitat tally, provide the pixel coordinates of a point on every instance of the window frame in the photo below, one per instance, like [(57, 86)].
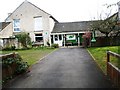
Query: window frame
[(56, 37), (36, 21), (16, 27), (38, 36)]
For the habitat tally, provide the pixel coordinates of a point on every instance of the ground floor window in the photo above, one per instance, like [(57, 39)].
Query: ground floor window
[(52, 41), (39, 37), (60, 37), (56, 37)]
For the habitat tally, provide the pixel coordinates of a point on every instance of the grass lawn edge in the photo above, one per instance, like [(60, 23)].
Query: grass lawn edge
[(43, 57), (96, 62)]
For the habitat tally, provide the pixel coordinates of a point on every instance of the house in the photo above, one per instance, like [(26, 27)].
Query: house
[(30, 19), (3, 35), (71, 32), (42, 28)]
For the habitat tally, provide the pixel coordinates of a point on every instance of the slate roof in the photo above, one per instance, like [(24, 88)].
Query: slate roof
[(3, 25), (73, 26)]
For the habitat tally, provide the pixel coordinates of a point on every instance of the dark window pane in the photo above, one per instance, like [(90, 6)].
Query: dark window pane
[(17, 29), (39, 39), (60, 37), (56, 38), (38, 34)]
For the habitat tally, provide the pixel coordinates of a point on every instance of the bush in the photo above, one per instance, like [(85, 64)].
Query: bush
[(12, 67), (22, 67), (13, 47), (55, 45), (9, 48)]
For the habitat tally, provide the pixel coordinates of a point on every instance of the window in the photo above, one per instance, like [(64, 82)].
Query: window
[(38, 24), (39, 37), (60, 37), (16, 25), (56, 37)]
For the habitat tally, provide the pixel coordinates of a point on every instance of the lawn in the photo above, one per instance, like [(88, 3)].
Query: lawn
[(99, 53), (32, 55)]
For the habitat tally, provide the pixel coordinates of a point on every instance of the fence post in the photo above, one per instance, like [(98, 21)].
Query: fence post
[(108, 60), (108, 56)]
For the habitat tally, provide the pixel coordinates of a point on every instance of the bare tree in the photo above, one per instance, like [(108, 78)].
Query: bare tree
[(109, 25)]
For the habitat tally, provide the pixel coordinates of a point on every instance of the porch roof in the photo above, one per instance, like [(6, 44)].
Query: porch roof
[(72, 26), (3, 25)]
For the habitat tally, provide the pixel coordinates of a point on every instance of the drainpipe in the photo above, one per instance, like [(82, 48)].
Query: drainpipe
[(78, 40), (64, 39)]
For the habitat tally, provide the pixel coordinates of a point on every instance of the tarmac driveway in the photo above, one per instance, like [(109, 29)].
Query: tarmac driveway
[(64, 68)]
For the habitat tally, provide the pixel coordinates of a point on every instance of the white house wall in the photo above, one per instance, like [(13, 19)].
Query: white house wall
[(26, 13), (51, 23), (6, 32)]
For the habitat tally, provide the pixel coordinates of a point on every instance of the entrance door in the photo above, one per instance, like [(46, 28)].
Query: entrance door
[(80, 38), (58, 39)]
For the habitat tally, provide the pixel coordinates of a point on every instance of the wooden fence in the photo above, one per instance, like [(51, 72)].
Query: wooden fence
[(112, 71)]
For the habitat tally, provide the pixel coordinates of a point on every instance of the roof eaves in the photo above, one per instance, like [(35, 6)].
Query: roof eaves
[(54, 19), (111, 16)]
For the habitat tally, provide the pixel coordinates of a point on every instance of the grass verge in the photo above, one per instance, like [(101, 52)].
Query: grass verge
[(31, 56), (99, 54)]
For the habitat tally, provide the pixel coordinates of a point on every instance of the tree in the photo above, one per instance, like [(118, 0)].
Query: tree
[(86, 39), (24, 39), (108, 25)]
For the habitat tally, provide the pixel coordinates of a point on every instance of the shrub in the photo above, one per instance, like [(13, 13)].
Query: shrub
[(13, 47), (24, 39), (13, 66), (48, 43), (55, 45), (9, 48), (22, 67)]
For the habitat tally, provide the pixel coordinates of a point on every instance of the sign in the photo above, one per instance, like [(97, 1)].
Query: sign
[(70, 37)]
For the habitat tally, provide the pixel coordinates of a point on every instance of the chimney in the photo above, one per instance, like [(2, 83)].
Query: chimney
[(9, 14)]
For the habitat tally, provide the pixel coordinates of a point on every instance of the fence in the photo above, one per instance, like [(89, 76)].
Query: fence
[(106, 41), (112, 71)]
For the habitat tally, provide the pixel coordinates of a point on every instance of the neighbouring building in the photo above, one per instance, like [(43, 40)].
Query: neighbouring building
[(71, 32)]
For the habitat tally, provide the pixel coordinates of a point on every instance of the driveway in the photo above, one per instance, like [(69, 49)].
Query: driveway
[(64, 68)]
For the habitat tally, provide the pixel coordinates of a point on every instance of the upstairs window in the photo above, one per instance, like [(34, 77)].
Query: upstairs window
[(16, 25), (38, 24)]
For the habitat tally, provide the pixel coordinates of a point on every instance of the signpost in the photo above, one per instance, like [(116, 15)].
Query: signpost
[(93, 37)]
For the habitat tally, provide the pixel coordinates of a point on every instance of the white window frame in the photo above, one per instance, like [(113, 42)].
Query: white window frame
[(38, 24), (38, 36), (15, 27)]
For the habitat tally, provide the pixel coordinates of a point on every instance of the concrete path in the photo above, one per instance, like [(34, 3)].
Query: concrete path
[(64, 68)]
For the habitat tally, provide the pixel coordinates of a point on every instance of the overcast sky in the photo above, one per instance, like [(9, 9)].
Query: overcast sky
[(64, 10)]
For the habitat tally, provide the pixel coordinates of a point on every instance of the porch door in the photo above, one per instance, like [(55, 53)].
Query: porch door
[(58, 39), (80, 38)]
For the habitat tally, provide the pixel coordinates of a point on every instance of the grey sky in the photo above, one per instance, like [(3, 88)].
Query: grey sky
[(64, 10)]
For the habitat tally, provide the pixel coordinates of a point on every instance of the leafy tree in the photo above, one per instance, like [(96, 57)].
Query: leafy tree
[(86, 39), (24, 39)]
